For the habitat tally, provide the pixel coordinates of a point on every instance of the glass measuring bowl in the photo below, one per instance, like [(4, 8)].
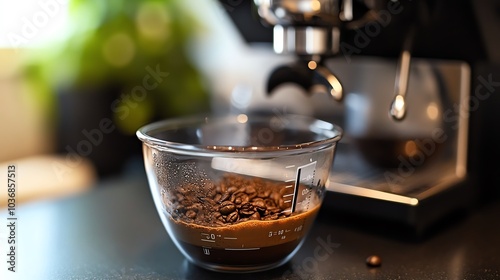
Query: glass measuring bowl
[(238, 193)]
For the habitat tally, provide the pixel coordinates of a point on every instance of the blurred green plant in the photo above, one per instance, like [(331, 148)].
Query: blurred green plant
[(114, 42)]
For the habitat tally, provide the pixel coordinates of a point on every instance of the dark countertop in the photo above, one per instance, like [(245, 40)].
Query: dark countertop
[(114, 232)]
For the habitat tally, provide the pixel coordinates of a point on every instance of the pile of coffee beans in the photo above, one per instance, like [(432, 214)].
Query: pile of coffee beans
[(233, 200)]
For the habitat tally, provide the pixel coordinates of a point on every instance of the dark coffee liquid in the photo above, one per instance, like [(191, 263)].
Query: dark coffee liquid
[(250, 257), (247, 244)]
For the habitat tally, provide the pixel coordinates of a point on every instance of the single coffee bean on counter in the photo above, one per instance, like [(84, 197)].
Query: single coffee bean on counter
[(374, 261)]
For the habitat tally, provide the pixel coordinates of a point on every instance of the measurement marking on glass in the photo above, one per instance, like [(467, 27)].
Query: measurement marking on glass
[(290, 180), (290, 166), (208, 237), (305, 173), (289, 186), (286, 195), (206, 240), (296, 190), (286, 201), (230, 238), (242, 249)]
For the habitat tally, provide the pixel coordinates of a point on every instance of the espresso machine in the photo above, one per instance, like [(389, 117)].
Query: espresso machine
[(401, 78)]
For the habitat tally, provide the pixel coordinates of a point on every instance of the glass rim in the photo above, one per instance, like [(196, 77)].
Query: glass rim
[(324, 128)]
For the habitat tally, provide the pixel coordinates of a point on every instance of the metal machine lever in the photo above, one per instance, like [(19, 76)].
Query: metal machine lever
[(399, 104), (346, 13)]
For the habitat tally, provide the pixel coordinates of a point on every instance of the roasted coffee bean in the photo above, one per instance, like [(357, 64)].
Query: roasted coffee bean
[(211, 192), (264, 193), (231, 190), (244, 197), (180, 208), (275, 196), (194, 207), (217, 215), (228, 194), (227, 207), (179, 197), (240, 190), (255, 216), (284, 191), (241, 198), (286, 213), (191, 214), (273, 210), (259, 205), (238, 200), (234, 196), (274, 216), (225, 197), (182, 190), (200, 217), (251, 192), (281, 204), (219, 189), (271, 217), (232, 217), (270, 203), (247, 209), (374, 261), (255, 199)]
